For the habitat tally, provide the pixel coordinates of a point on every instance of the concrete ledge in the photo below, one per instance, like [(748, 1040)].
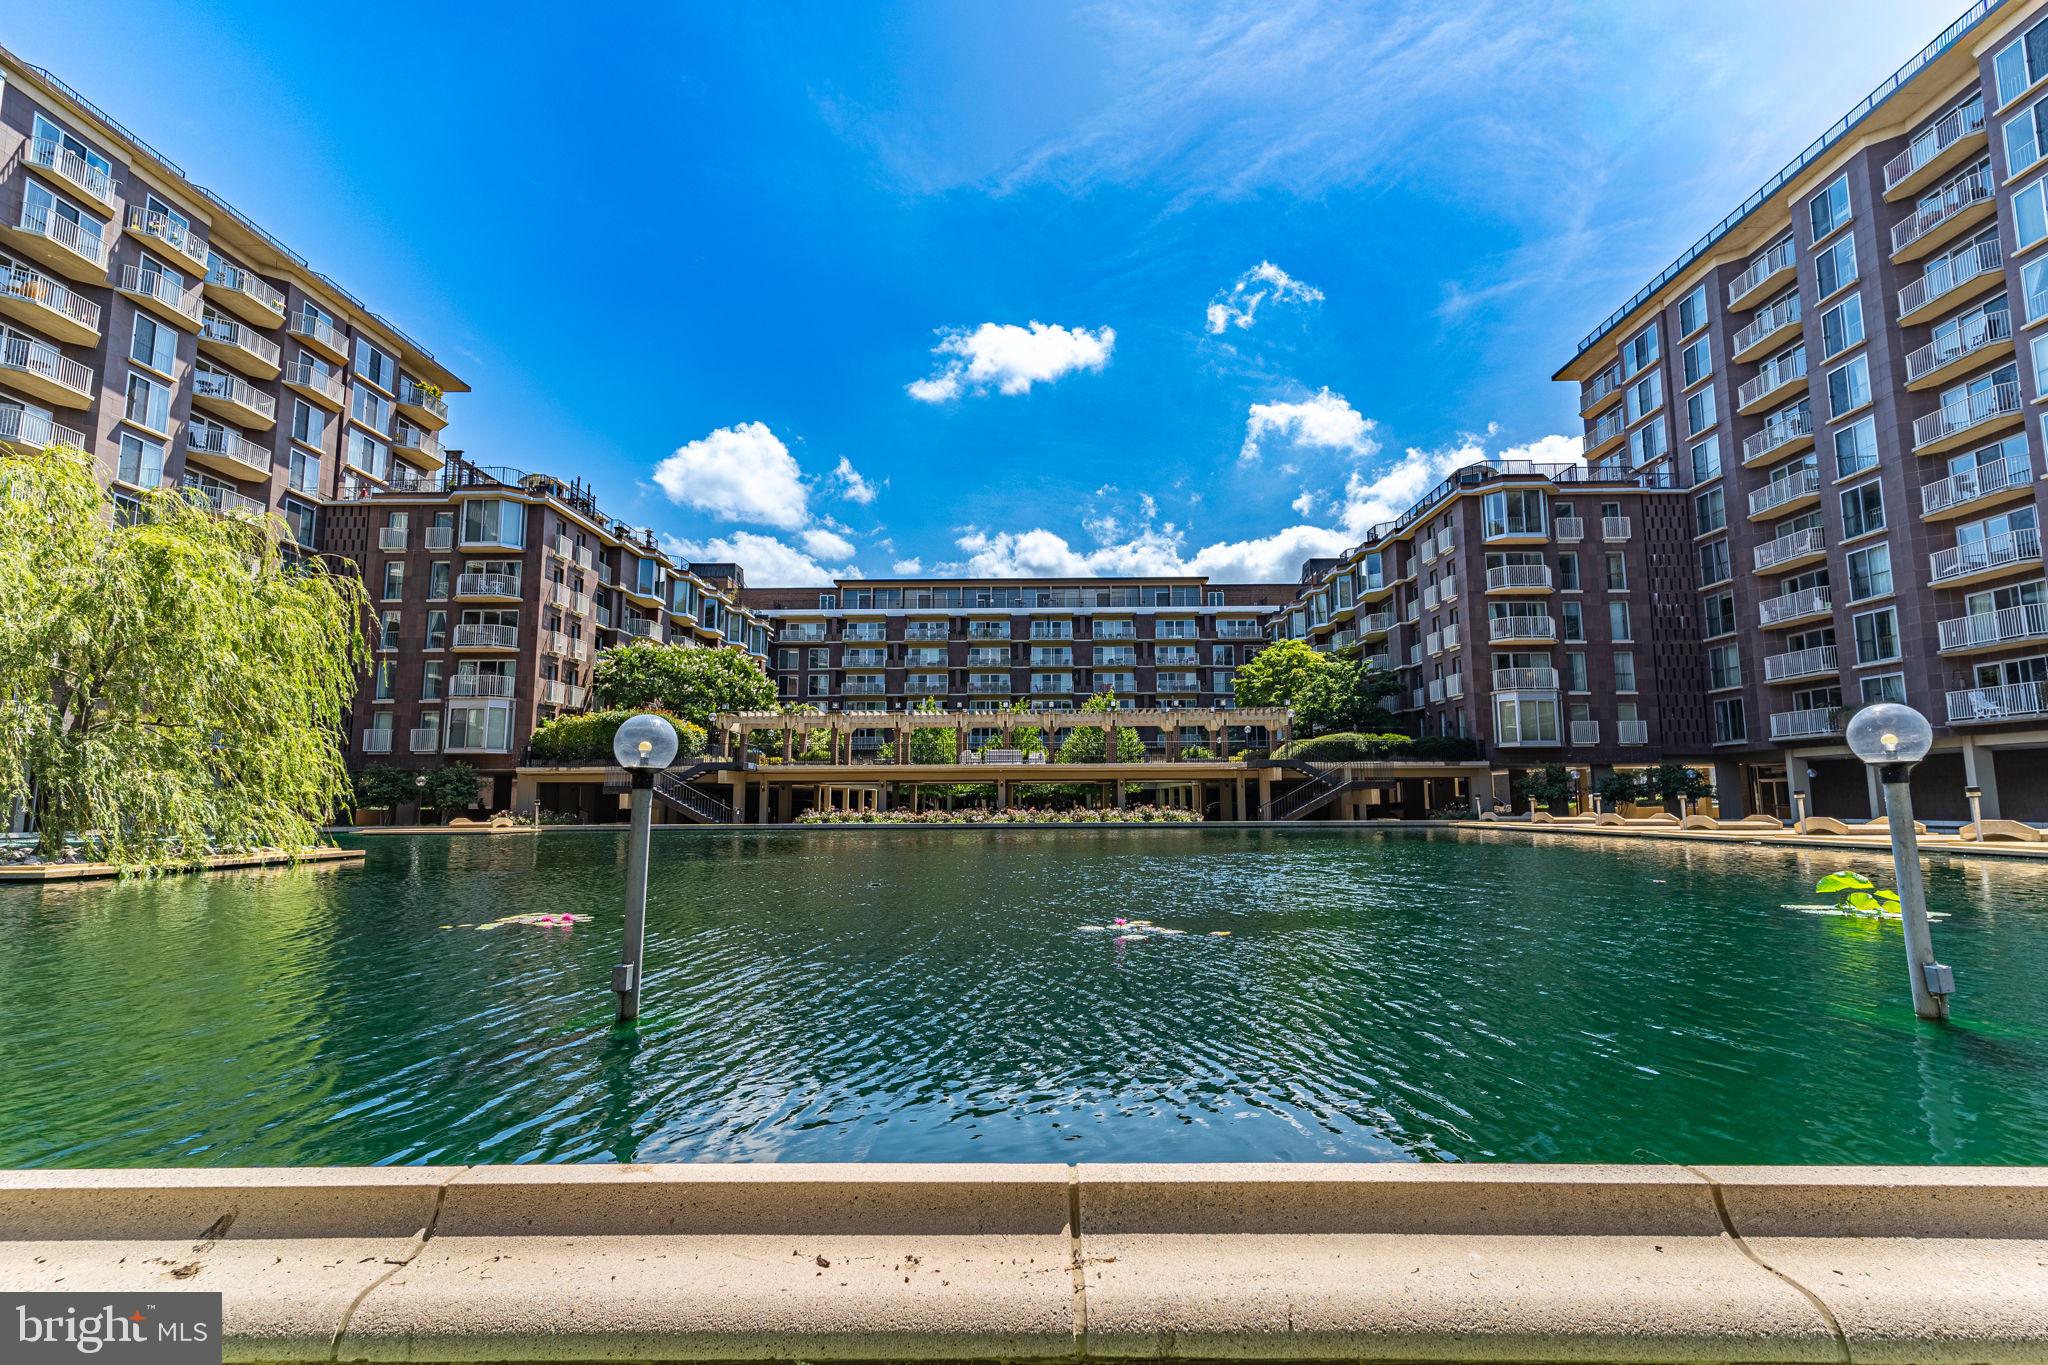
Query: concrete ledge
[(219, 862), (994, 1262)]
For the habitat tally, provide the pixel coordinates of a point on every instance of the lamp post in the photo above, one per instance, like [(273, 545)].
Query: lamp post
[(1799, 800), (1976, 797), (643, 746), (1892, 738)]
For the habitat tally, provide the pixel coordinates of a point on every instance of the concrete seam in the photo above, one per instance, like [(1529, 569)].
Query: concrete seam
[(1079, 1266), (1728, 1225), (419, 1243)]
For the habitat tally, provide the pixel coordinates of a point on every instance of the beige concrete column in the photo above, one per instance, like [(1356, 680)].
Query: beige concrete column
[(1002, 793), (525, 793), (739, 797), (1123, 795), (1237, 798), (788, 743), (1979, 771), (1265, 794)]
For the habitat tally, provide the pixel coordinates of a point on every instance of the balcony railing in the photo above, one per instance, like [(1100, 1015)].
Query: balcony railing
[(1988, 629), (1454, 686), (250, 286), (318, 331), (469, 635), (1808, 724), (487, 585), (1958, 196), (1525, 680), (1614, 530), (74, 169), (1993, 552), (1772, 262), (89, 244), (1602, 431), (414, 395), (1793, 605), (1521, 627), (1778, 432), (231, 389), (1599, 389), (639, 627), (1957, 490), (33, 431), (1505, 577), (221, 498), (154, 284), (989, 685), (26, 355), (1771, 376), (1568, 530), (479, 684), (211, 438), (1986, 405), (1788, 547), (32, 286), (425, 739), (304, 375), (228, 332), (1942, 352), (1779, 491), (161, 227), (1979, 705), (1820, 660), (1585, 732), (1782, 314), (1985, 258), (376, 741), (1959, 124), (440, 537), (1632, 733)]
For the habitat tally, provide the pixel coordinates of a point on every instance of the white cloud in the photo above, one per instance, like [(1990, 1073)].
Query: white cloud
[(738, 473), (1305, 505), (769, 560), (1010, 359), (907, 566), (1239, 305), (1326, 421), (827, 543), (852, 485)]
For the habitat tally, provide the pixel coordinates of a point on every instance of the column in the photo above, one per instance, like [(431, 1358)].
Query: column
[(1002, 794), (1237, 797), (1980, 770), (739, 797), (1731, 786), (1123, 795), (1265, 794), (1109, 742), (1798, 784), (1876, 791)]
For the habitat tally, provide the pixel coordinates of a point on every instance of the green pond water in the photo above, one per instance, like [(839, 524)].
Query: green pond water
[(938, 995)]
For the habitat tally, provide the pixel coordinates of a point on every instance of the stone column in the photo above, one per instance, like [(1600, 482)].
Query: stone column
[(1237, 797), (1980, 770), (739, 797), (1265, 794), (1876, 791), (1123, 795), (1002, 794)]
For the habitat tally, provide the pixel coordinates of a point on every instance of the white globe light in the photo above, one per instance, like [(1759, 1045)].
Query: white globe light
[(1890, 733), (645, 741)]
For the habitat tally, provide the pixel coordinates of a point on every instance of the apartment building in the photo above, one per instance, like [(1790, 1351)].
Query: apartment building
[(987, 644), (145, 320), (494, 589), (1543, 611), (1846, 374)]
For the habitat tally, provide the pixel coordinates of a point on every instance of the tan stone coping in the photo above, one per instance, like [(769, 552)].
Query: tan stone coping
[(219, 862), (1095, 1261), (1876, 841)]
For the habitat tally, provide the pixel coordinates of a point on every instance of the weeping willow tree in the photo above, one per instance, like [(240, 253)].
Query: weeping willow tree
[(173, 684)]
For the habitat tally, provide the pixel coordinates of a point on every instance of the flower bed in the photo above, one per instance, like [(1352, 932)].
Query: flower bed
[(1029, 815)]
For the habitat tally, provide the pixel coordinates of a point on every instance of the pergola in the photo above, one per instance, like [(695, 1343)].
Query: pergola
[(731, 728)]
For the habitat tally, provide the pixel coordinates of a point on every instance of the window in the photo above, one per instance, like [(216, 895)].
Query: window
[(370, 408), (1522, 720), (1835, 268), (437, 580), (1716, 564), (479, 725), (309, 424), (153, 344), (1692, 311), (1870, 572), (373, 365), (2029, 214), (1862, 509), (437, 630), (1624, 670), (1849, 386), (1516, 512), (305, 472), (1829, 209), (387, 669), (1574, 617), (1575, 671), (1856, 448), (1709, 511), (2026, 133), (1699, 412), (1618, 624), (1639, 350), (1706, 459), (2021, 62), (1877, 635), (433, 686), (1881, 687), (1568, 573), (365, 452), (141, 461), (148, 403), (493, 521), (303, 519), (1697, 360), (1730, 726), (1717, 615), (1645, 395), (1841, 327), (1617, 572), (1647, 443), (1724, 667), (394, 580)]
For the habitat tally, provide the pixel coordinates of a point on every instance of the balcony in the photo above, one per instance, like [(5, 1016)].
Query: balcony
[(425, 739), (423, 403), (1771, 327), (1942, 359), (1989, 705), (1784, 434), (1795, 665), (480, 684), (391, 538), (469, 635), (1955, 137), (239, 345), (494, 586), (71, 170), (1525, 680), (1434, 691), (1806, 604), (567, 599), (376, 741), (1953, 280), (1766, 270), (175, 303), (50, 306), (1454, 686), (1773, 380), (555, 692), (225, 449), (440, 537), (1817, 723), (1568, 530), (415, 445), (639, 627), (323, 387), (1994, 629), (1632, 734), (234, 398), (43, 372), (73, 251), (1585, 733), (169, 234), (1521, 627), (986, 686), (1964, 202), (221, 498), (1791, 550), (1991, 557), (1957, 423), (1603, 436), (1615, 530), (1784, 493), (2000, 481), (1375, 625), (246, 295), (1598, 393), (27, 433), (1518, 578), (319, 335)]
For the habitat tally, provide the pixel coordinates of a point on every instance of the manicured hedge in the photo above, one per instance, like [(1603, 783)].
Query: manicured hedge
[(1347, 747), (587, 737)]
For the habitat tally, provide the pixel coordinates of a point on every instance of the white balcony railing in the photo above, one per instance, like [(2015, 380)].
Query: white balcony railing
[(1771, 262), (1988, 330), (231, 389), (1808, 724), (1521, 627), (487, 585), (53, 155), (1972, 410), (1602, 431), (470, 635), (425, 739), (376, 741), (34, 431), (1981, 556), (1585, 732), (1379, 623), (87, 243), (1793, 605), (33, 286), (242, 337), (222, 498), (1632, 733), (26, 355), (1614, 530), (639, 627), (1983, 258), (1788, 488), (1790, 546), (162, 227), (1958, 196), (1780, 315), (1771, 376), (479, 684), (440, 537), (2016, 471), (1525, 680), (1978, 705), (1568, 530), (180, 299), (1781, 430), (412, 394), (1987, 629), (1508, 576), (1801, 663), (249, 285), (1957, 125)]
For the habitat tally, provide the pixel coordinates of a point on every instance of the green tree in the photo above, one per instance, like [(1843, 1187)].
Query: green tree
[(176, 681), (1546, 786), (1277, 674), (449, 789), (1618, 788), (1085, 745), (1669, 781), (1345, 695), (586, 737), (383, 787), (932, 744), (695, 684)]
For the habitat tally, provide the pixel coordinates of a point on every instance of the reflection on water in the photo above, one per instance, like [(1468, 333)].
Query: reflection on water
[(854, 994)]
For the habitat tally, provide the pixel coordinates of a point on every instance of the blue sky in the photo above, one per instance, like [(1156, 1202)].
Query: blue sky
[(942, 287)]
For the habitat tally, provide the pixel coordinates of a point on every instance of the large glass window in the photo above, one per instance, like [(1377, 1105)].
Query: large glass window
[(1862, 509), (153, 344), (141, 461), (2030, 214), (1855, 447), (1692, 311), (1706, 459), (1730, 725), (148, 402), (1639, 350), (1525, 720), (1516, 512), (1841, 327), (1877, 635), (374, 365), (1835, 268), (493, 521), (1829, 209), (1870, 572), (1724, 667), (1716, 564), (2021, 62), (1699, 412), (1709, 511), (1697, 360)]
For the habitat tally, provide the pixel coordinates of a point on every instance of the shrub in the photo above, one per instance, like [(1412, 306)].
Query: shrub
[(1444, 748), (587, 737), (1195, 753), (1344, 747)]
